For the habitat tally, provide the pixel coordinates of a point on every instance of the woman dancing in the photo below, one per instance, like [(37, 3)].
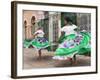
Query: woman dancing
[(70, 41), (39, 42)]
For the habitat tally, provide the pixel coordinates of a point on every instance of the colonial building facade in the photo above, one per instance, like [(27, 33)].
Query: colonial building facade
[(53, 21)]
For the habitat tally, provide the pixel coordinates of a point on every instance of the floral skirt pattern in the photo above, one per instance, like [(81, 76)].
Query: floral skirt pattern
[(73, 44), (38, 43)]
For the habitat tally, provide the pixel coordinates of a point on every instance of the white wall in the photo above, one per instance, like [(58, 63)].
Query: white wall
[(5, 43)]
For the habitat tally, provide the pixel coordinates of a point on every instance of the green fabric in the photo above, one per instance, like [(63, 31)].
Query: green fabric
[(26, 43), (36, 44), (80, 49), (84, 51), (39, 45)]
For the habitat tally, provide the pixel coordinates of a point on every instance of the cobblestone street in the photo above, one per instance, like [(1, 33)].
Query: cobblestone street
[(31, 60)]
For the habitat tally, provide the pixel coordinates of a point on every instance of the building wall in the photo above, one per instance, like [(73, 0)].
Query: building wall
[(54, 26), (53, 21), (27, 31), (27, 15), (84, 21)]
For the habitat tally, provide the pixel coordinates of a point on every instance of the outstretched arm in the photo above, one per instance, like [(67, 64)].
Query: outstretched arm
[(35, 35)]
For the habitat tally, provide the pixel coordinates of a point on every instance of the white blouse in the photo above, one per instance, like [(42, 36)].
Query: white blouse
[(39, 33), (69, 29)]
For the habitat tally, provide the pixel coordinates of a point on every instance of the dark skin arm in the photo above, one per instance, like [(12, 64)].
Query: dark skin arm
[(76, 29), (34, 35), (62, 34)]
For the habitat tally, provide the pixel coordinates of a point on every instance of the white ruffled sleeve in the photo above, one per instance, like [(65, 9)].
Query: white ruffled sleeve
[(74, 27)]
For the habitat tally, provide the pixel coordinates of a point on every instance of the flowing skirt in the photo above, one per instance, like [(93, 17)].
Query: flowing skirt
[(73, 44), (38, 43)]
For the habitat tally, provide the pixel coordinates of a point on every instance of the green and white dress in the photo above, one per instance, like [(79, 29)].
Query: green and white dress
[(72, 43), (39, 42)]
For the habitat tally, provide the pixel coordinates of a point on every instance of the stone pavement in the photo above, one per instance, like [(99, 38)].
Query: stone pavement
[(31, 60)]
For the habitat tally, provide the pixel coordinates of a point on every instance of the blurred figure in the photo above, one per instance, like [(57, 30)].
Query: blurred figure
[(71, 42)]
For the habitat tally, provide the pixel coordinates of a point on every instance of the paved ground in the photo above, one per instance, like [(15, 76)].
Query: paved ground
[(31, 60)]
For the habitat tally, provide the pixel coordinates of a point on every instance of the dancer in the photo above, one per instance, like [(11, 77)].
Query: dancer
[(39, 42), (70, 41)]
